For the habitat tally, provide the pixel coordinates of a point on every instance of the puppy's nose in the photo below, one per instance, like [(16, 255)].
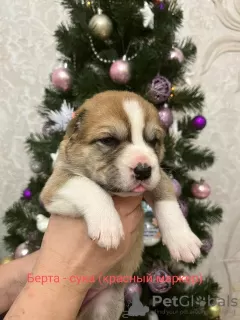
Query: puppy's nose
[(142, 171)]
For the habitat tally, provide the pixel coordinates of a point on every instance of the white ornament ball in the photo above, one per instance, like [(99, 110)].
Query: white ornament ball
[(42, 223)]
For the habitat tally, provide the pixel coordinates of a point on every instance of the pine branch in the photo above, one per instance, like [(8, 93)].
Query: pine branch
[(171, 19), (43, 146), (71, 5), (189, 50), (186, 127), (187, 99), (53, 100), (12, 240), (194, 157), (203, 213), (20, 219)]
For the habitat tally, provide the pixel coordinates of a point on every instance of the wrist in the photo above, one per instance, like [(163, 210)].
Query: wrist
[(53, 267)]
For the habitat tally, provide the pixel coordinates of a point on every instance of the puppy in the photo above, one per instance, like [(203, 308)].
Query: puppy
[(115, 145)]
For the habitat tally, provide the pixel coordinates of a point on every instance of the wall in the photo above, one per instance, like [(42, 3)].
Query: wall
[(215, 28), (27, 55)]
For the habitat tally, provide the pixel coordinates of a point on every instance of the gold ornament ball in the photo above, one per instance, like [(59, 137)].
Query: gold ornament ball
[(6, 260), (214, 312), (101, 26)]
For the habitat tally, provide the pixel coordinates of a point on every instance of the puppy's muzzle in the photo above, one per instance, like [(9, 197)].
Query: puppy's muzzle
[(142, 171)]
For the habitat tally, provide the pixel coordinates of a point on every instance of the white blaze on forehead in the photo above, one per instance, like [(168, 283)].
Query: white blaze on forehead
[(135, 115)]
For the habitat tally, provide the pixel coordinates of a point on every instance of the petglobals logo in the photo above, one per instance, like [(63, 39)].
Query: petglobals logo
[(193, 301)]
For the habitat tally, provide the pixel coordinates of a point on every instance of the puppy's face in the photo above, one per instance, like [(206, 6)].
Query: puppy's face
[(116, 140)]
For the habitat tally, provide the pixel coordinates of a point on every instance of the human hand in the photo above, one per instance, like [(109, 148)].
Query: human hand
[(67, 240), (67, 250)]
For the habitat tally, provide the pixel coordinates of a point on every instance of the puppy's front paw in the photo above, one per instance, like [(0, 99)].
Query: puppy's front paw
[(107, 229), (182, 243)]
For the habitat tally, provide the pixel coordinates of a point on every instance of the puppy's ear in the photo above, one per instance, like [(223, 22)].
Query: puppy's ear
[(163, 131), (75, 124)]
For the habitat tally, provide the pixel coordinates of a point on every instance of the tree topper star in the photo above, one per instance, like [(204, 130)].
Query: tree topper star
[(148, 16)]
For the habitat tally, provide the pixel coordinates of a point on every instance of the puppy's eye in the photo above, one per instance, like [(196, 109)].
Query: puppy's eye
[(153, 142), (109, 141)]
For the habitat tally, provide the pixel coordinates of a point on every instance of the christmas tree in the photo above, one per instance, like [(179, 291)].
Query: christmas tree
[(129, 45)]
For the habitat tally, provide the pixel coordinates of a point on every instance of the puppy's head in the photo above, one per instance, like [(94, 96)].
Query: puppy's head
[(116, 139)]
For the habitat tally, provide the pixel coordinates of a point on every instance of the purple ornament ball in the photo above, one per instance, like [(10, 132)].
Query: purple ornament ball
[(176, 54), (207, 245), (201, 190), (130, 290), (159, 90), (27, 194), (159, 3), (184, 208), (199, 122), (166, 117), (177, 188), (120, 72), (21, 251), (156, 285), (61, 79), (161, 6)]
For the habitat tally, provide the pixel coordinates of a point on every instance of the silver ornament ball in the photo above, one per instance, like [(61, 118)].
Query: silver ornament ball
[(21, 251), (101, 26), (151, 234), (36, 167), (47, 129)]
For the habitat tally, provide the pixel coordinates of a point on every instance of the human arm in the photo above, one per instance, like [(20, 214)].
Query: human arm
[(13, 277), (63, 239)]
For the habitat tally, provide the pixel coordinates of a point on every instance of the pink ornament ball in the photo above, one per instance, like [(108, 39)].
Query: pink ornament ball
[(157, 286), (177, 188), (177, 54), (120, 72), (130, 290), (166, 117), (61, 79), (184, 208), (207, 245), (201, 190)]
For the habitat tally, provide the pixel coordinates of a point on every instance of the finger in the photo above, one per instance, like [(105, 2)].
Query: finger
[(132, 221), (125, 206)]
